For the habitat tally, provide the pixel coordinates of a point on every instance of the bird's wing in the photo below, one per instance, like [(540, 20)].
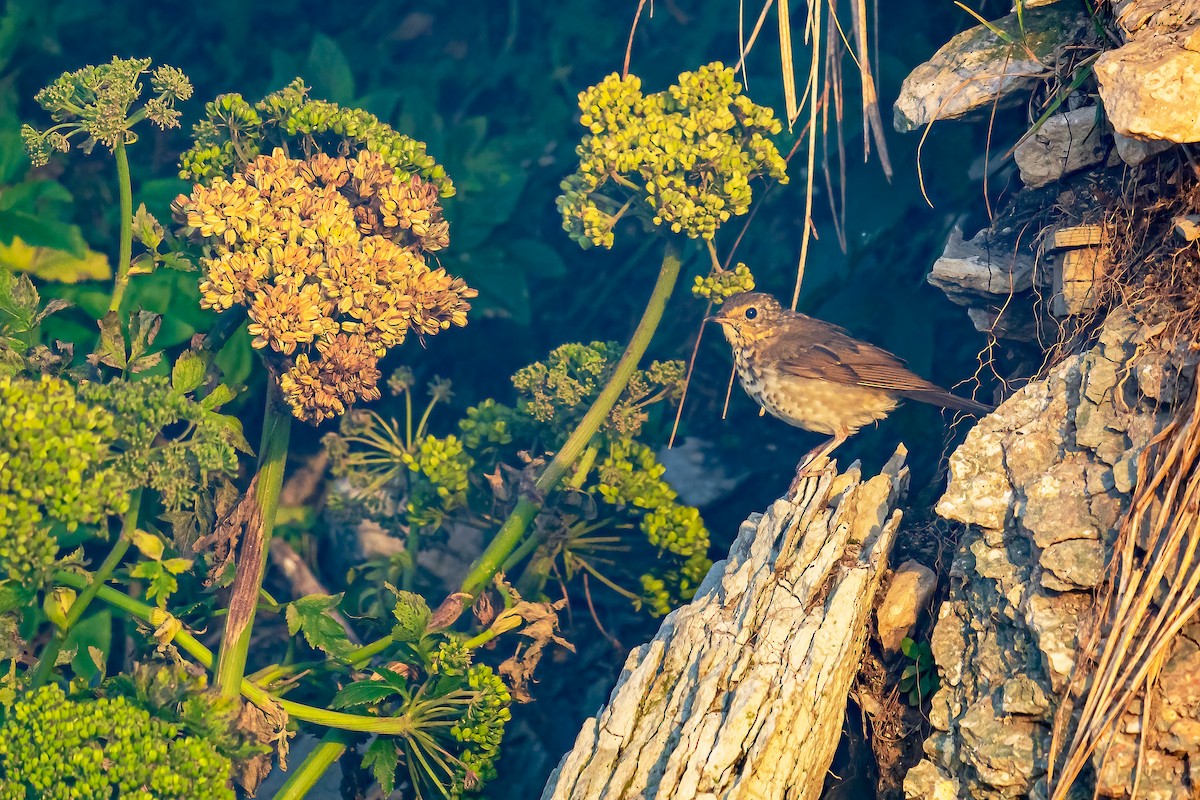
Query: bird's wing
[(819, 350)]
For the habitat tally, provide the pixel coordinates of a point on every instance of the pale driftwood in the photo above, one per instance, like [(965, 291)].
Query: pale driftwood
[(742, 693)]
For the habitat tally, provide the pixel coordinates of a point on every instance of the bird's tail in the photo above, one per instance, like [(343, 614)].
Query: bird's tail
[(946, 400)]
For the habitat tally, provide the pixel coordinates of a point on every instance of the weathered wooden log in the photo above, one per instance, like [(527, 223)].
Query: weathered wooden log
[(742, 693)]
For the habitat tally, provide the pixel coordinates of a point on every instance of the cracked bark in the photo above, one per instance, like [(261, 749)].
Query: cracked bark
[(742, 693)]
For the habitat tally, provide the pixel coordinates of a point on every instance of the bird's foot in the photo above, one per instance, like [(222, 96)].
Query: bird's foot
[(810, 467)]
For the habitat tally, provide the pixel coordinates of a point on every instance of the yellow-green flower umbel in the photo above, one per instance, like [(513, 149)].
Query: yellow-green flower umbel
[(683, 158)]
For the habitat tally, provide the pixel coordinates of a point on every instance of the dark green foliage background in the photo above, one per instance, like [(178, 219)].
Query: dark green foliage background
[(491, 87)]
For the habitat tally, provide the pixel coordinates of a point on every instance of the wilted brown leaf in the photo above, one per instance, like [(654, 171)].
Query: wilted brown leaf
[(541, 628), (266, 725), (233, 517)]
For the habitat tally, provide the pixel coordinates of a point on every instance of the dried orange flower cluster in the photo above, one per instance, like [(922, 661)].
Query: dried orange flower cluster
[(328, 255)]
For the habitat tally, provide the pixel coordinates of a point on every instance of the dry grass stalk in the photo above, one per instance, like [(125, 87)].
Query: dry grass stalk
[(1151, 595)]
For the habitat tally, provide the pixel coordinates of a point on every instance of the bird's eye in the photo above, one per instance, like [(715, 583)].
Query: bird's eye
[(751, 313)]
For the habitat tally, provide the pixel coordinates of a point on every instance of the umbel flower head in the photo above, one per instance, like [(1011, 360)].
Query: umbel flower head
[(327, 255), (683, 158), (96, 101)]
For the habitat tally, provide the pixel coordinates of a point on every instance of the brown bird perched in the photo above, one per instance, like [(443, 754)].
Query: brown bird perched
[(815, 376)]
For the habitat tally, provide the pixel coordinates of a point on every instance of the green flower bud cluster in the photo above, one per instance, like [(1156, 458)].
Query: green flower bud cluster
[(661, 593), (632, 478), (722, 284), (52, 747), (655, 595), (481, 729), (96, 102), (450, 659), (630, 475), (488, 424), (55, 466), (178, 469), (683, 158), (443, 469), (676, 528), (560, 389), (401, 380), (229, 135), (234, 133)]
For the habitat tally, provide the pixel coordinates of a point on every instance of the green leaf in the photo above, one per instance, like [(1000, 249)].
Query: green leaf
[(328, 72), (362, 693), (19, 301), (311, 615), (177, 566), (144, 264), (161, 583), (92, 633), (231, 432), (908, 647), (110, 350), (394, 679), (909, 671), (143, 328), (146, 229), (188, 372), (218, 397), (381, 758), (148, 544)]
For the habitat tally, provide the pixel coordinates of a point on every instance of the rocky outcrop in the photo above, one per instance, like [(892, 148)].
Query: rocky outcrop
[(742, 694), (977, 68), (1150, 84), (1042, 484), (1063, 144)]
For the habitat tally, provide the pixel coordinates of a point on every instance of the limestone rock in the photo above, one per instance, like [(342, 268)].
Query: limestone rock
[(1078, 563), (907, 596), (1065, 143), (1149, 85), (927, 782), (975, 68), (742, 693), (1041, 483), (1136, 151)]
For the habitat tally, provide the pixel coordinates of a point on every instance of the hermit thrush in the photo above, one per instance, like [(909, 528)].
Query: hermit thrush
[(817, 377)]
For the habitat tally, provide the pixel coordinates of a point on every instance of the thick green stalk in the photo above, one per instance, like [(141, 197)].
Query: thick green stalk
[(256, 542), (49, 656), (125, 190), (527, 508), (321, 758), (537, 571)]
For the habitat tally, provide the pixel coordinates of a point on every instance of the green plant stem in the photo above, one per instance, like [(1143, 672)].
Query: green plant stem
[(368, 651), (252, 560), (125, 189), (321, 758), (49, 657), (391, 726), (511, 532)]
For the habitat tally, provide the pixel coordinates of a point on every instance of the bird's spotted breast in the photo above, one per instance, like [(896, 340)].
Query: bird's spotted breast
[(815, 405)]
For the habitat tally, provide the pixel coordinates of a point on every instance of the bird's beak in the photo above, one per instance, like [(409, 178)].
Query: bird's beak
[(717, 319)]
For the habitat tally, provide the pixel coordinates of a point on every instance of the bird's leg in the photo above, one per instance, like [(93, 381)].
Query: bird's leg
[(809, 465)]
